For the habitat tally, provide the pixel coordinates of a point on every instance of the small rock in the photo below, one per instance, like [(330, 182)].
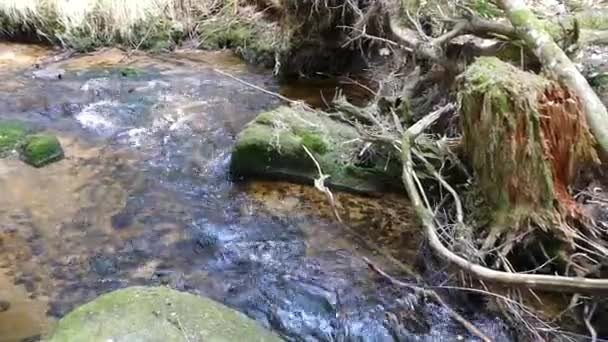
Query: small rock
[(41, 149), (49, 73), (103, 265), (5, 305), (121, 220)]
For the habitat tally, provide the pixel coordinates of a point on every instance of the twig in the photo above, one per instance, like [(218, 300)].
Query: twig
[(589, 312), (320, 185), (430, 293), (251, 85)]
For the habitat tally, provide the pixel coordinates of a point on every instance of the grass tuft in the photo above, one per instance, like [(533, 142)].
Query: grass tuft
[(85, 25)]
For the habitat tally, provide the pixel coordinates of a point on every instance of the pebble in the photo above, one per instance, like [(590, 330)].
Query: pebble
[(5, 305)]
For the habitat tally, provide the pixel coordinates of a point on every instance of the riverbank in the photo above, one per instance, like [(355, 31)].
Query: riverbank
[(155, 25)]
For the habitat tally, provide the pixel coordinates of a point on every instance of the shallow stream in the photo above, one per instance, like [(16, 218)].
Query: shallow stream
[(143, 197)]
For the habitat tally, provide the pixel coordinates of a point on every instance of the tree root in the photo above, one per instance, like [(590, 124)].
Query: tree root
[(535, 281)]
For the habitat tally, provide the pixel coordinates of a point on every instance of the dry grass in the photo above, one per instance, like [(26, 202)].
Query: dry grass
[(85, 24)]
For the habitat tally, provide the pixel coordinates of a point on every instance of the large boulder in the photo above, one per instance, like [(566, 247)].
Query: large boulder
[(271, 146), (160, 314)]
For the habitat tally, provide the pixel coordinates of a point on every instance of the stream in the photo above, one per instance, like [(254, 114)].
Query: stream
[(143, 197)]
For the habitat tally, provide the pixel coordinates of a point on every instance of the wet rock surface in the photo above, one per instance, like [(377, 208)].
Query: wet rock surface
[(143, 197)]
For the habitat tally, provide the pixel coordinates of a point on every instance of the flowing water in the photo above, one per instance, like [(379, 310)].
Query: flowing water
[(143, 197)]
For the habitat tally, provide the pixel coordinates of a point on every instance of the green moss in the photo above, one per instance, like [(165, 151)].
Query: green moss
[(265, 118), (314, 141), (11, 133), (484, 8), (40, 149), (130, 72), (157, 314), (521, 17)]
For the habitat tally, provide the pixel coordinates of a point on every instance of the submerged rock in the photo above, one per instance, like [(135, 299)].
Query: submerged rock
[(40, 149), (157, 314), (11, 133), (272, 146)]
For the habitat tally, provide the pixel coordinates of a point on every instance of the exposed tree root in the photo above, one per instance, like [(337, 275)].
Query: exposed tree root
[(534, 281)]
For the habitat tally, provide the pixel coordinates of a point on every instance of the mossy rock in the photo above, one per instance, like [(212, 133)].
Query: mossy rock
[(11, 134), (157, 314), (271, 146), (40, 149)]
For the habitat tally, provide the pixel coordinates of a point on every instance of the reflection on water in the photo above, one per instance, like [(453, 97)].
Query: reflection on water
[(143, 197)]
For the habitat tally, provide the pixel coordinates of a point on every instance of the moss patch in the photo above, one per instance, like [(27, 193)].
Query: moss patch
[(314, 141), (11, 133), (40, 149), (157, 314)]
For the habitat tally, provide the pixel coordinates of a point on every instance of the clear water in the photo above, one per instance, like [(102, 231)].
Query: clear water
[(143, 197)]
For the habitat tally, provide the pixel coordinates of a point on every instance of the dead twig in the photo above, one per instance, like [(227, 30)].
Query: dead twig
[(320, 185), (589, 311), (265, 91)]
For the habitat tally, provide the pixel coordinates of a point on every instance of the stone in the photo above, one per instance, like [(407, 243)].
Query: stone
[(271, 146), (40, 149), (5, 305), (157, 314)]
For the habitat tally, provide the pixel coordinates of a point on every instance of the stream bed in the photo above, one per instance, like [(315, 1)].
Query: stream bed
[(143, 197)]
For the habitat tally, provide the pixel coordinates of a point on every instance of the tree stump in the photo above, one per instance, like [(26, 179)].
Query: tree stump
[(525, 137)]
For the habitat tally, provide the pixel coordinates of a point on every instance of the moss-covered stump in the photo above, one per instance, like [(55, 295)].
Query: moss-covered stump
[(271, 146), (11, 134), (40, 149), (525, 138), (157, 314)]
